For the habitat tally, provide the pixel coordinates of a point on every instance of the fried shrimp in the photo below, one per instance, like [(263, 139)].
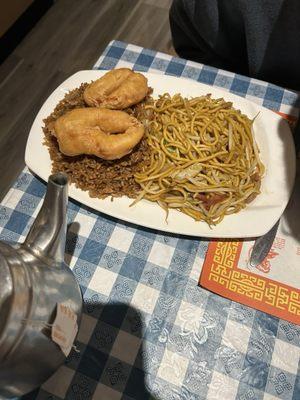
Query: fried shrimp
[(104, 133), (117, 89)]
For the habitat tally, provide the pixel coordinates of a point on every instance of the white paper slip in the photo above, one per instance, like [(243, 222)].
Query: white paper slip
[(64, 328)]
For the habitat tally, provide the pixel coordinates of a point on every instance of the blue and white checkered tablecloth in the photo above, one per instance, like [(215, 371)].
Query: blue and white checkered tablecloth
[(148, 330)]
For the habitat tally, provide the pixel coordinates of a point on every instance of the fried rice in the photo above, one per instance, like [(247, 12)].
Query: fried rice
[(101, 178)]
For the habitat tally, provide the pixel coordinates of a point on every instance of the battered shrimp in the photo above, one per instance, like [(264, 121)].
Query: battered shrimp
[(104, 133), (117, 89)]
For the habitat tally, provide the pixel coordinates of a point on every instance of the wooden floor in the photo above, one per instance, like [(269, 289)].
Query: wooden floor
[(70, 37)]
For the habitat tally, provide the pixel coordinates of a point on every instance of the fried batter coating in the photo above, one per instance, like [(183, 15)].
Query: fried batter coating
[(117, 89), (107, 134)]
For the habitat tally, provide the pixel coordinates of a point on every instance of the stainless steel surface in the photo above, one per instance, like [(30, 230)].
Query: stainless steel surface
[(262, 246), (33, 279), (47, 237)]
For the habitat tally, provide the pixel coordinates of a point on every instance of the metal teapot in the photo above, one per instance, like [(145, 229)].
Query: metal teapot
[(34, 280)]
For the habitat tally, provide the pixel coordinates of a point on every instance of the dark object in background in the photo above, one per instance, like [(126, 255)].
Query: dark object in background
[(258, 38), (12, 37)]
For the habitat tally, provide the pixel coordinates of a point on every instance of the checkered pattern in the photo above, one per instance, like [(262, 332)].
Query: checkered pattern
[(148, 330)]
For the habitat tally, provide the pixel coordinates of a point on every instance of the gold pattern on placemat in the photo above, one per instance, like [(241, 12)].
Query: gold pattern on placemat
[(221, 274)]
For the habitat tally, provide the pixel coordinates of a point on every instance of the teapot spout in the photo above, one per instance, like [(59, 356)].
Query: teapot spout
[(47, 236)]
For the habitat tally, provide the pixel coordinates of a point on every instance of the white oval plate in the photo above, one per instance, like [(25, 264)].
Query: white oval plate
[(272, 134)]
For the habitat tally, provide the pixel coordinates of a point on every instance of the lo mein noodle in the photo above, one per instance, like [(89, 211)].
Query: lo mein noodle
[(204, 159)]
